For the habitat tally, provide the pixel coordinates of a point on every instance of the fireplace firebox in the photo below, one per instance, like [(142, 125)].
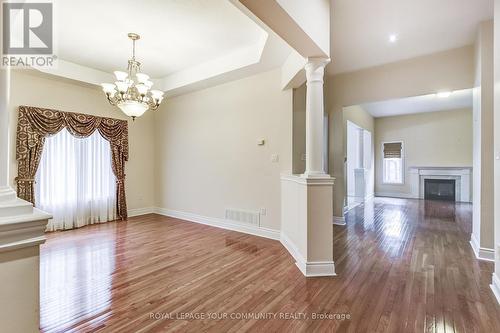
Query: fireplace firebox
[(439, 189)]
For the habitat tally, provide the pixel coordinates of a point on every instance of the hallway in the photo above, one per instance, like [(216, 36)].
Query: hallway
[(402, 265)]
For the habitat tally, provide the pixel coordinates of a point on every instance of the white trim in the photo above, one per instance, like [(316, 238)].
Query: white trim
[(339, 220), (461, 175), (292, 249), (22, 231), (495, 286), (319, 180), (308, 268), (395, 195), (140, 211), (482, 253), (220, 223), (318, 268)]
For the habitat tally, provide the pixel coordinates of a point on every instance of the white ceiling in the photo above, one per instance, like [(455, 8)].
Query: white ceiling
[(459, 99), (176, 34), (360, 29)]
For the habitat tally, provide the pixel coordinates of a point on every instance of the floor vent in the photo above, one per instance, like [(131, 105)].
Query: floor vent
[(243, 216)]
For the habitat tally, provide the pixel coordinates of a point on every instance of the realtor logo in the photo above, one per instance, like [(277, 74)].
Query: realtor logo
[(27, 34)]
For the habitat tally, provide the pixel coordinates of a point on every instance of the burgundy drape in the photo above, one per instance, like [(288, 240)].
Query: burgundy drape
[(35, 124)]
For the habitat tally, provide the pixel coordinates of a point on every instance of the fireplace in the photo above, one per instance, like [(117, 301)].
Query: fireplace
[(439, 189)]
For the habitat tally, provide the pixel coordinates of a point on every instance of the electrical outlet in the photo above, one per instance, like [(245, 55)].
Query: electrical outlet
[(275, 158), (263, 211), (303, 157)]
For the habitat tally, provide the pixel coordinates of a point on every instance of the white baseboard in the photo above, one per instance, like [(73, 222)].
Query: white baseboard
[(339, 220), (308, 268), (140, 211), (221, 223), (395, 195), (318, 268), (482, 253), (292, 249), (495, 286)]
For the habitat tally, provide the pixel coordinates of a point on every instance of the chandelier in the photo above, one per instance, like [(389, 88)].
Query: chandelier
[(132, 90)]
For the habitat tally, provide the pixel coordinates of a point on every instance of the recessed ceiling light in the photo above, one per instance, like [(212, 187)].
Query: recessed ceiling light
[(444, 94), (393, 38)]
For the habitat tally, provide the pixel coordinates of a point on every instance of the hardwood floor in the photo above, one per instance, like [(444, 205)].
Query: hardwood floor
[(402, 265)]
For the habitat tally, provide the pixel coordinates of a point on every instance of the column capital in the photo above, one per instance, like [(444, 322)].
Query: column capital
[(315, 69)]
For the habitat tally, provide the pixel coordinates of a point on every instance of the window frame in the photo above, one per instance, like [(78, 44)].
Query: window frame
[(402, 162)]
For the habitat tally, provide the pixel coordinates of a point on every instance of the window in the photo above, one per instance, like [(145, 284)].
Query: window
[(75, 182), (392, 162)]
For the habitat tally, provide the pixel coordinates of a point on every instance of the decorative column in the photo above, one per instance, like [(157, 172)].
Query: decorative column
[(307, 200), (21, 233), (6, 192), (315, 69)]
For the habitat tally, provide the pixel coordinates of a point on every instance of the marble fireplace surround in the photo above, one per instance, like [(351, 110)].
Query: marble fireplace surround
[(461, 175)]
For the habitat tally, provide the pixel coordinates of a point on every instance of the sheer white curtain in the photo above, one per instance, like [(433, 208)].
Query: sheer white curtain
[(75, 182)]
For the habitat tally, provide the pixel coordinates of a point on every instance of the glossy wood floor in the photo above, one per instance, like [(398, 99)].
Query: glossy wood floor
[(403, 266)]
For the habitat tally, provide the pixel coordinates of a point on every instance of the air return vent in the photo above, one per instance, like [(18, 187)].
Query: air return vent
[(243, 216)]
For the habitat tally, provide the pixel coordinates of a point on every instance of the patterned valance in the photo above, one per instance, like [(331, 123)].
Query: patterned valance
[(35, 124)]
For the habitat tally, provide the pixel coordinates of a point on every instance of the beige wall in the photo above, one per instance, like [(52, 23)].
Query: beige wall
[(207, 153), (496, 35), (483, 171), (356, 114), (449, 70), (35, 89), (441, 138), (299, 130)]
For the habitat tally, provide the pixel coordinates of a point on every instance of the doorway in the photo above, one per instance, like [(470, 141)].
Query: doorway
[(359, 170)]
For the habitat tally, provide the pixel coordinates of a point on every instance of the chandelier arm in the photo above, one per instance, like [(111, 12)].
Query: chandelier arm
[(113, 101), (153, 105)]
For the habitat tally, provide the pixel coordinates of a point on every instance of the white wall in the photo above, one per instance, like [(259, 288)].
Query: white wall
[(440, 139), (207, 153), (41, 90), (352, 156)]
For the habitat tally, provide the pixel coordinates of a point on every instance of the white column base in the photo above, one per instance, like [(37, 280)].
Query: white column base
[(306, 223), (22, 230), (311, 268), (495, 286), (312, 174), (7, 194), (317, 269), (339, 220)]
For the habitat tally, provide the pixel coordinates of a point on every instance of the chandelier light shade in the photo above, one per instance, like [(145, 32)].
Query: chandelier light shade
[(132, 90)]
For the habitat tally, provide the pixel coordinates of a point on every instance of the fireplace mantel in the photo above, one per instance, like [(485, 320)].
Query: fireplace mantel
[(462, 176)]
